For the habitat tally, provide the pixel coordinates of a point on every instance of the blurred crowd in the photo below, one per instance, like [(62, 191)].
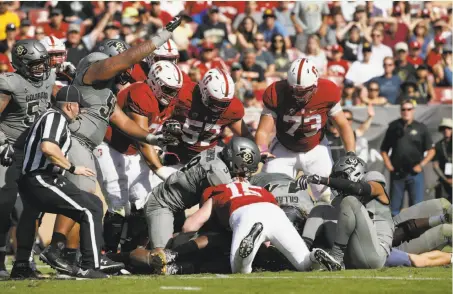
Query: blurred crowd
[(379, 52)]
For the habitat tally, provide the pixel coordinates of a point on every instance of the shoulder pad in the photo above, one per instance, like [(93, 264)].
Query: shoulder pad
[(217, 173)]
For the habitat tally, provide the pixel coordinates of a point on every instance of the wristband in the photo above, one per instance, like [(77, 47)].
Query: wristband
[(151, 139), (71, 169), (264, 148)]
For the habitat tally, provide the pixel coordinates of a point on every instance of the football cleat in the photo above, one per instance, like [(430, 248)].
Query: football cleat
[(109, 266), (90, 274), (23, 270), (53, 257), (326, 260), (162, 258), (248, 243), (171, 269)]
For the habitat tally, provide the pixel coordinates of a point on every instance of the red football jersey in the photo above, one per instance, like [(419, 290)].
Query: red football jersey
[(137, 98), (204, 67), (138, 74), (201, 127), (301, 128), (227, 198)]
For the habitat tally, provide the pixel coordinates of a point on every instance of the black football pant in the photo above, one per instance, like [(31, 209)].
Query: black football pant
[(42, 192)]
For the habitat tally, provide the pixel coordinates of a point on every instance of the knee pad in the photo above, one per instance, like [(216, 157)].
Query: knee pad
[(445, 204)]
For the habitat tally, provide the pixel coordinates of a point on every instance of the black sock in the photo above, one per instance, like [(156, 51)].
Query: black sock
[(190, 247), (2, 260), (58, 240), (70, 255)]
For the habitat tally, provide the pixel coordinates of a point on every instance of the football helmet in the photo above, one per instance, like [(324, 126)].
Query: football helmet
[(303, 79), (31, 60), (165, 79), (56, 49), (296, 216), (217, 89), (113, 47), (242, 157), (168, 51), (350, 167)]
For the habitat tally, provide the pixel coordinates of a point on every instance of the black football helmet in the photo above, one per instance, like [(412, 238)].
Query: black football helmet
[(242, 156), (350, 167), (31, 60), (113, 47)]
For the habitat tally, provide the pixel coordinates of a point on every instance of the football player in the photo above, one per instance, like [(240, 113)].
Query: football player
[(96, 75), (128, 171), (64, 70), (206, 113), (365, 227), (24, 96), (299, 108), (251, 212)]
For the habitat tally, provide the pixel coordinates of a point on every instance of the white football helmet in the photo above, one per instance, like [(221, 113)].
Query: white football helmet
[(217, 89), (303, 79), (56, 49), (168, 51), (165, 79)]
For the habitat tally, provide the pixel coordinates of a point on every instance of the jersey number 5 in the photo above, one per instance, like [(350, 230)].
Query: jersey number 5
[(32, 113), (106, 111), (313, 121)]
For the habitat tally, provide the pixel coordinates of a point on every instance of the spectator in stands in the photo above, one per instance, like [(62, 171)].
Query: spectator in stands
[(7, 44), (245, 32), (337, 67), (329, 33), (414, 54), (112, 30), (409, 91), (352, 43), (39, 33), (194, 74), (270, 27), (212, 29), (263, 57), (435, 55), (25, 30), (251, 11), (182, 35), (424, 85), (443, 69), (56, 27), (421, 35), (372, 10), (77, 46), (241, 85), (283, 15), (5, 65), (79, 12), (253, 109), (389, 82), (403, 69), (310, 16), (208, 59), (157, 12), (361, 143), (281, 58), (373, 95), (252, 71), (442, 161), (361, 72), (349, 95), (7, 17), (409, 140), (316, 54), (396, 30), (379, 50)]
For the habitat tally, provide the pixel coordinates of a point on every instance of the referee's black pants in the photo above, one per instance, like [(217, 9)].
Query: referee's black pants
[(44, 192)]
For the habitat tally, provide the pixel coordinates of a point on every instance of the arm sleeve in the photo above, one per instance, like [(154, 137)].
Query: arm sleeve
[(267, 111), (5, 87), (361, 190), (335, 109), (53, 126)]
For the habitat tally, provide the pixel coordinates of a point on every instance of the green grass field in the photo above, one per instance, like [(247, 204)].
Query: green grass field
[(395, 281)]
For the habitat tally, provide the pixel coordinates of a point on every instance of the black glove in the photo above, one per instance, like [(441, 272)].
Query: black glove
[(172, 127), (174, 23), (7, 155), (350, 153), (303, 181), (166, 139)]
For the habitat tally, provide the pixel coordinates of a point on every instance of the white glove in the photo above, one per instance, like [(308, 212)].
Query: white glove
[(67, 68), (164, 172)]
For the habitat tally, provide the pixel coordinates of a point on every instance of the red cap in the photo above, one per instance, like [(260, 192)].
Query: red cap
[(337, 48), (207, 45), (415, 45), (439, 39)]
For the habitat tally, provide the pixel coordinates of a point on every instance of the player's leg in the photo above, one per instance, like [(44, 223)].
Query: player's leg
[(431, 259), (285, 238), (139, 181), (317, 161), (160, 221), (248, 234), (283, 163), (423, 209), (314, 225), (398, 258), (357, 237), (435, 238), (8, 196)]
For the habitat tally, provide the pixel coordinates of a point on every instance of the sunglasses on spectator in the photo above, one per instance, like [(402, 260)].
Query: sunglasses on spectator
[(406, 109), (374, 89), (258, 40), (349, 118), (388, 64)]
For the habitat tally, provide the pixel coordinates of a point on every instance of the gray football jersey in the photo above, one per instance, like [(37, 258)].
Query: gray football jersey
[(285, 190), (97, 105), (184, 188), (28, 101)]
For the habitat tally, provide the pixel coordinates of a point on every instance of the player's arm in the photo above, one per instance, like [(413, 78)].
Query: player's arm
[(239, 128), (343, 126), (4, 100), (109, 68), (199, 218)]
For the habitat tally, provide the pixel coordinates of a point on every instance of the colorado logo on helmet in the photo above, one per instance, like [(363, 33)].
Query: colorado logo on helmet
[(246, 155), (21, 50)]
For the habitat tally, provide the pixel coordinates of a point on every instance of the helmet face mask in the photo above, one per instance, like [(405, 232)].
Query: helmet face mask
[(303, 95), (57, 58), (216, 105), (165, 80), (303, 79), (217, 90), (31, 60)]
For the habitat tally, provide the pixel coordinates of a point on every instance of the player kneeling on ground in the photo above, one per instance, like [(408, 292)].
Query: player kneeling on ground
[(365, 227), (252, 213)]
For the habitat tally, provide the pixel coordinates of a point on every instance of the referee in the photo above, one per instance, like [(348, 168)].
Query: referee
[(44, 189)]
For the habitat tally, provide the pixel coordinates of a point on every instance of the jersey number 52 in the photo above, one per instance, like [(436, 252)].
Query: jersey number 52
[(106, 111), (311, 124)]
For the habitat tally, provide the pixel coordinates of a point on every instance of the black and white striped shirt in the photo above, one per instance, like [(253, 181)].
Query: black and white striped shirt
[(52, 126)]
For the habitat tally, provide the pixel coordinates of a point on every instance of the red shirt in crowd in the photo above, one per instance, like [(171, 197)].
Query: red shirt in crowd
[(433, 58), (58, 33), (415, 60)]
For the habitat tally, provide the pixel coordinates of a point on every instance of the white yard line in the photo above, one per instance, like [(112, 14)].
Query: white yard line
[(180, 288)]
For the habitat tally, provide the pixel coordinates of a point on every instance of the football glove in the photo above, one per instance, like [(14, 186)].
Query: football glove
[(174, 23), (172, 127), (67, 68), (7, 154), (303, 181), (165, 139)]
